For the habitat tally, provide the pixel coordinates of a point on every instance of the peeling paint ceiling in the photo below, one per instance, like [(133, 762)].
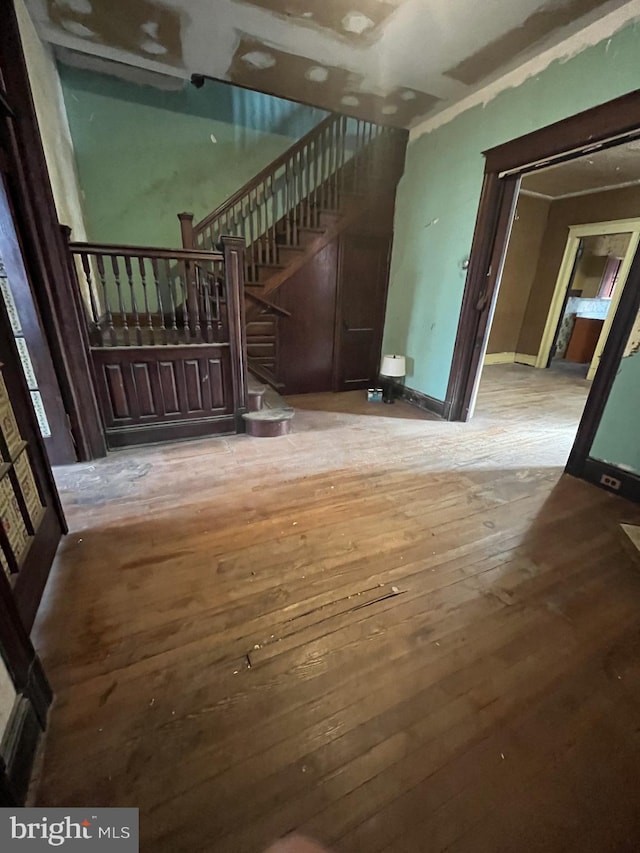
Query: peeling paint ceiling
[(392, 61)]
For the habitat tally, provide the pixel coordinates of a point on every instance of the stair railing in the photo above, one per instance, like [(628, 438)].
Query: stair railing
[(338, 156)]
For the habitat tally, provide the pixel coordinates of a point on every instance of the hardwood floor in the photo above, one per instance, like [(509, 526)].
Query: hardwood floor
[(389, 632)]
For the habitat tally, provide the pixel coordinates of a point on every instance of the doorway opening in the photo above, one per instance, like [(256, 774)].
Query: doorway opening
[(574, 235), (600, 129)]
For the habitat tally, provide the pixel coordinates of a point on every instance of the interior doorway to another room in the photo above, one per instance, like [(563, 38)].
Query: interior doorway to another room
[(573, 239)]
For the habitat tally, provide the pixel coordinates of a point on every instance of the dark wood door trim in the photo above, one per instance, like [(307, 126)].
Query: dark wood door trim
[(567, 139), (621, 327), (44, 249), (497, 202)]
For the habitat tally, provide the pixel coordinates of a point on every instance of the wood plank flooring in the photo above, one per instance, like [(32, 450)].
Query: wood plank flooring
[(386, 631)]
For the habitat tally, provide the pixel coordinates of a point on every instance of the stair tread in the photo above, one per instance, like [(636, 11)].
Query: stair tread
[(270, 415), (255, 388)]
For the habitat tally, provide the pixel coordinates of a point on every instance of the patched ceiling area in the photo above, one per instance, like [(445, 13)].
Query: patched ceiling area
[(391, 61)]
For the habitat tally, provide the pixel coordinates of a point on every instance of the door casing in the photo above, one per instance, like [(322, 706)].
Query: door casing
[(601, 127)]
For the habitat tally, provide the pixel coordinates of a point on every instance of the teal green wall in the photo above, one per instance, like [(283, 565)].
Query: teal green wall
[(439, 193), (144, 154), (618, 438)]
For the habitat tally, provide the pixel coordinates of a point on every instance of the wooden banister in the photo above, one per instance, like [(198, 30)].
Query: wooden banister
[(314, 133), (145, 251), (276, 209), (150, 296)]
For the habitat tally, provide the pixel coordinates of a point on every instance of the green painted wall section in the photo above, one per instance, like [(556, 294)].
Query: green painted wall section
[(439, 194), (145, 154), (618, 438)]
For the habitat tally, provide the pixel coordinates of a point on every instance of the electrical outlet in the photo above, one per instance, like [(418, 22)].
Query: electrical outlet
[(610, 482)]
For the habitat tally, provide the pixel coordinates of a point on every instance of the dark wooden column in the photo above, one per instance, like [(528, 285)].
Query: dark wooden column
[(186, 230), (233, 248)]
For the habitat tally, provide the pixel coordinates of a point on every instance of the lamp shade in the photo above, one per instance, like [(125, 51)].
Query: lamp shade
[(393, 365)]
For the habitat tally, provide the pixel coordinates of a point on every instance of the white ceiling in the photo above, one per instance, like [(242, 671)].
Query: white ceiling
[(388, 60)]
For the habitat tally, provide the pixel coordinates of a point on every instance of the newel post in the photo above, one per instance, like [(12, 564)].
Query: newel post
[(186, 230), (233, 250)]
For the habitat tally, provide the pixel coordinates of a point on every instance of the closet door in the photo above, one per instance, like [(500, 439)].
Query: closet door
[(362, 293)]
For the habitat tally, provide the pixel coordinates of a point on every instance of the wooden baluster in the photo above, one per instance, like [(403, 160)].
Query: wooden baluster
[(295, 212), (323, 167), (304, 206), (107, 301), (314, 180), (143, 279), (302, 198), (172, 332), (156, 279), (134, 305), (333, 148), (218, 282), (343, 154), (274, 217), (308, 210), (311, 210), (371, 152), (115, 265), (95, 310), (192, 278), (286, 191), (358, 156), (251, 249), (266, 208), (258, 214), (205, 283)]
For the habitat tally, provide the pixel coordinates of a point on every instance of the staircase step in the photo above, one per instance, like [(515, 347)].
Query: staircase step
[(327, 218), (287, 254), (265, 271), (269, 423), (308, 235)]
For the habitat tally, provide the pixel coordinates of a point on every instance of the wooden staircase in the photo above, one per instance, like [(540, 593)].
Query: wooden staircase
[(292, 210)]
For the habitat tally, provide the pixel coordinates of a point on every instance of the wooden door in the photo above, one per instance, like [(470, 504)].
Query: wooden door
[(31, 517), (362, 292), (32, 346), (305, 353)]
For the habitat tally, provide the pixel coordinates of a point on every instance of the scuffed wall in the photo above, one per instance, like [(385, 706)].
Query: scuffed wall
[(54, 128), (145, 154), (438, 197)]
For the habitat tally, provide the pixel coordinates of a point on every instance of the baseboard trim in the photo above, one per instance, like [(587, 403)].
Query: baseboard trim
[(523, 358), (510, 358), (593, 470), (499, 358), (423, 401), (18, 748)]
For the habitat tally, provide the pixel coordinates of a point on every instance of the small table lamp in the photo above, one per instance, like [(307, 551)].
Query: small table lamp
[(393, 367)]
